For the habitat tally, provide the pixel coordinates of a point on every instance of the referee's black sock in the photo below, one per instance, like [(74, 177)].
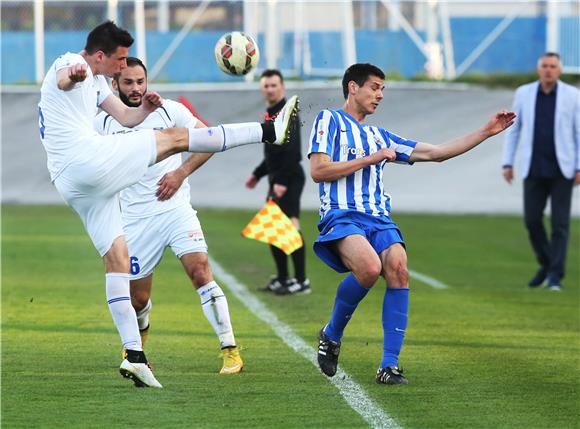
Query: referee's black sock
[(299, 260), (281, 262), (268, 132)]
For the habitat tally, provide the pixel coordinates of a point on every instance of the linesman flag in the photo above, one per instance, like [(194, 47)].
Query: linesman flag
[(272, 226)]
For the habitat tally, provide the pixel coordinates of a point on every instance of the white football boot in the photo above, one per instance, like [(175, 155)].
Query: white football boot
[(140, 373), (285, 119)]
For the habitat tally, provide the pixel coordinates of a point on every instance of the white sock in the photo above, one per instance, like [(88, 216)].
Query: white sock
[(215, 307), (224, 137), (143, 316), (119, 300)]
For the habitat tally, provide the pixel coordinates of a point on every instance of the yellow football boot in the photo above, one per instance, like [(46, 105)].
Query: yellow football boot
[(233, 363)]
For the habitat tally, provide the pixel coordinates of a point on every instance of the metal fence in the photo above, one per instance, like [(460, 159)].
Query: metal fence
[(306, 39)]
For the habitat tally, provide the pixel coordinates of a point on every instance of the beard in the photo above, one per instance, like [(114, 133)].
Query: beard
[(125, 99)]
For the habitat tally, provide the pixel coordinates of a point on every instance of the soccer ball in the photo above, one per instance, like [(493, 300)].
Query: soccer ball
[(236, 53)]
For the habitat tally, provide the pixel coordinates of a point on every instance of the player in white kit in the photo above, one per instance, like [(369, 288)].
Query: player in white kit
[(89, 170), (157, 213)]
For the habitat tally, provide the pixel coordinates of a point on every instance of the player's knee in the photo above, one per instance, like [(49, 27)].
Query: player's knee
[(397, 274), (200, 274), (139, 299), (368, 274)]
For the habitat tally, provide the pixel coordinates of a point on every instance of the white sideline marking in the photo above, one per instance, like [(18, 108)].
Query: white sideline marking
[(352, 392), (428, 280)]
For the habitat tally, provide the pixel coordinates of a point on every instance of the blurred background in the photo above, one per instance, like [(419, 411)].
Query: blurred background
[(450, 66)]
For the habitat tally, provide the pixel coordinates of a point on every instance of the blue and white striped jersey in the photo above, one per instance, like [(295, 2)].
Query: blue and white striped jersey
[(343, 138)]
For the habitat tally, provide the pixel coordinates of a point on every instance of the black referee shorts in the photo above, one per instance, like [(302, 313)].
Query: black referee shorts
[(290, 201)]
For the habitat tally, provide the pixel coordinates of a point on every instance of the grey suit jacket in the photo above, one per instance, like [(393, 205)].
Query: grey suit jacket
[(566, 132)]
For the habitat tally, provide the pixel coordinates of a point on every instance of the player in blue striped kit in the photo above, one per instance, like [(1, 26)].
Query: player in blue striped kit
[(357, 235)]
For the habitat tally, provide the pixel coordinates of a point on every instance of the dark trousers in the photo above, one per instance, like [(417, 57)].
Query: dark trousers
[(551, 254)]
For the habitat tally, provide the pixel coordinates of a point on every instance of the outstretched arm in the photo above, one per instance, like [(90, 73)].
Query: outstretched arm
[(429, 152), (131, 116), (322, 169)]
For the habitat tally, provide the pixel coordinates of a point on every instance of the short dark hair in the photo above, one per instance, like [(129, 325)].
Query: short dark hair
[(107, 37), (134, 62), (359, 73), (551, 54), (272, 72)]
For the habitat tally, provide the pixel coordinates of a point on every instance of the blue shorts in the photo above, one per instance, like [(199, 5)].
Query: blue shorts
[(380, 232)]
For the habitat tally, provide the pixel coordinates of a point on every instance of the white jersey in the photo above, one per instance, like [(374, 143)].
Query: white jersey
[(343, 138), (139, 200), (66, 118)]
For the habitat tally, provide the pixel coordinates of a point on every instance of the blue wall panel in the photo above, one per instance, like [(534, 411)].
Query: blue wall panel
[(391, 51), (516, 50), (570, 41)]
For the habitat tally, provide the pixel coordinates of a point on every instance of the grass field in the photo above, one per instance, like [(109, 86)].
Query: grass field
[(485, 353)]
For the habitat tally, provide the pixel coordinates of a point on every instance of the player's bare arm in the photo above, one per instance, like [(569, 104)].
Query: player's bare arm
[(171, 182), (323, 169), (428, 152), (69, 76), (131, 116)]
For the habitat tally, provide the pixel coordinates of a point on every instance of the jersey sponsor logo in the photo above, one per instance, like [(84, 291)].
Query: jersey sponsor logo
[(356, 151)]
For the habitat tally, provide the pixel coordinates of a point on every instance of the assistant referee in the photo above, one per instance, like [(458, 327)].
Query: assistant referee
[(286, 181)]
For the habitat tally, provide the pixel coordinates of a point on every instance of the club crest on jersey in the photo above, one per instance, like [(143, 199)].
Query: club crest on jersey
[(356, 151)]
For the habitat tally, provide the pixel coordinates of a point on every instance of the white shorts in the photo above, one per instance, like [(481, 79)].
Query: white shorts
[(91, 187), (148, 237)]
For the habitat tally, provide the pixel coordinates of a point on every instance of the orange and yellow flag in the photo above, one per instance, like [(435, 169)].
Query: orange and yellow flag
[(272, 226)]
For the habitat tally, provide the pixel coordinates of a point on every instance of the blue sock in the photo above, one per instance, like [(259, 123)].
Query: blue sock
[(348, 295), (395, 315)]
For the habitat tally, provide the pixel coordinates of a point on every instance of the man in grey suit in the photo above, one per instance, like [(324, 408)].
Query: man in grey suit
[(547, 129)]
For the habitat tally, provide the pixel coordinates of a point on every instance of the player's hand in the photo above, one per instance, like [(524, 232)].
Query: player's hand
[(508, 174), (169, 185), (383, 155), (577, 179), (499, 122), (77, 72), (279, 190), (151, 101), (252, 182)]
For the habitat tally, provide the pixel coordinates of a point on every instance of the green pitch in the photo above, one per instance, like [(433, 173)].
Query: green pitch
[(485, 353)]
